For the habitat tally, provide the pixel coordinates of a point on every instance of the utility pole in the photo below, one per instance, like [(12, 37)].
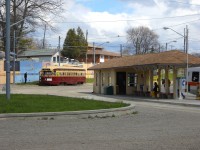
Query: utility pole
[(86, 46), (184, 35), (8, 49), (94, 52), (187, 32), (121, 49), (59, 50), (186, 50), (14, 45), (43, 45)]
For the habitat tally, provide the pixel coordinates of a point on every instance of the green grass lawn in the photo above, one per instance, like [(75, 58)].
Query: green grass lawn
[(21, 103)]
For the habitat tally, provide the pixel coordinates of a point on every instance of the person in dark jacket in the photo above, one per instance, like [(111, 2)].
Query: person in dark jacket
[(156, 89), (25, 77)]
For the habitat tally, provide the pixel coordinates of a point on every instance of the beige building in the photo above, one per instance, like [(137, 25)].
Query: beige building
[(3, 73), (135, 75)]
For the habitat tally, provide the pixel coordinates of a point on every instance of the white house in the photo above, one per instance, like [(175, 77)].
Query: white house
[(43, 55)]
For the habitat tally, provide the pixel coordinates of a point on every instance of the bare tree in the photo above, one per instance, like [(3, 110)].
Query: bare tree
[(127, 50), (143, 40), (30, 14)]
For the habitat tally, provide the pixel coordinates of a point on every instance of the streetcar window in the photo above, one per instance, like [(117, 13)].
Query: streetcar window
[(47, 73), (195, 76)]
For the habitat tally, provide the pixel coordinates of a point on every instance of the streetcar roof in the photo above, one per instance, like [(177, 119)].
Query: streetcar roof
[(50, 68)]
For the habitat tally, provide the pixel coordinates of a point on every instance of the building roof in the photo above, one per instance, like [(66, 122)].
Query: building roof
[(167, 58), (103, 52), (34, 53)]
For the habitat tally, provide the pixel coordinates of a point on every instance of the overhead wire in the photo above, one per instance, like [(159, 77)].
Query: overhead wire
[(128, 20), (183, 2)]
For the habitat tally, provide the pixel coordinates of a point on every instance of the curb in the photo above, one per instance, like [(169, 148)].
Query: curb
[(164, 102), (101, 113), (160, 101)]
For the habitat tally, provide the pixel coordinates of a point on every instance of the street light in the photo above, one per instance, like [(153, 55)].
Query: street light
[(95, 49), (185, 36), (168, 43), (166, 28)]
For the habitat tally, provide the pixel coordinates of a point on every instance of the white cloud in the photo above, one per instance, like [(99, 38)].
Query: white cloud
[(104, 26)]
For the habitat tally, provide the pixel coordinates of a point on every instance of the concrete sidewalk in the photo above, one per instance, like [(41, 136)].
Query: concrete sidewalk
[(190, 100)]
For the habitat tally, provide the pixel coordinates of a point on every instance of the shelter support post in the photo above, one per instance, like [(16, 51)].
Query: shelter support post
[(114, 81), (174, 83), (100, 82), (151, 79), (146, 83), (145, 80), (159, 74), (138, 84), (167, 91)]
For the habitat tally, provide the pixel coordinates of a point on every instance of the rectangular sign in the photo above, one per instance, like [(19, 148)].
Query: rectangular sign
[(17, 65), (49, 79)]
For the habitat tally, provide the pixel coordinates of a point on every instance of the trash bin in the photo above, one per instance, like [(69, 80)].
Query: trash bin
[(105, 90), (110, 90)]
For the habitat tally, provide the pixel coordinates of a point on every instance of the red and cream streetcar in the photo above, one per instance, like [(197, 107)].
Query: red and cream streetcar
[(55, 75)]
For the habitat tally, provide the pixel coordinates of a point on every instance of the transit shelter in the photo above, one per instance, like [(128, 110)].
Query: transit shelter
[(136, 74)]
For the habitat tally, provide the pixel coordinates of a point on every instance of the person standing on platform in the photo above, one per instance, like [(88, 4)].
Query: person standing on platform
[(156, 89), (25, 77)]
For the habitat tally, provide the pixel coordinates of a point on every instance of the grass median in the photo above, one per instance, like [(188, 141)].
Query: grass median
[(25, 103)]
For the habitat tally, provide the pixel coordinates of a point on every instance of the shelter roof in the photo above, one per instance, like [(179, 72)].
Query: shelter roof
[(167, 58), (66, 67)]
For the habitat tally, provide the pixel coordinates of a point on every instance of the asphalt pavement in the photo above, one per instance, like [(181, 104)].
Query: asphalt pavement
[(155, 126)]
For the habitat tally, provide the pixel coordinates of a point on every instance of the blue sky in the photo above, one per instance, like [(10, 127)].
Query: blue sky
[(108, 20), (111, 6)]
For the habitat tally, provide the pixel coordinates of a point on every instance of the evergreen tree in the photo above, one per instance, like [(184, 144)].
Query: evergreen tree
[(75, 44)]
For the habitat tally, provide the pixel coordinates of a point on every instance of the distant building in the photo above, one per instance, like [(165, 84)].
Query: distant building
[(99, 54), (42, 55), (51, 57)]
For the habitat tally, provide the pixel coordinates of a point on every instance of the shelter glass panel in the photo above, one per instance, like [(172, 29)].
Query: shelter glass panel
[(132, 79)]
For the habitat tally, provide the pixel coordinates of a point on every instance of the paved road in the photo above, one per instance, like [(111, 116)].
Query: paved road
[(154, 127)]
